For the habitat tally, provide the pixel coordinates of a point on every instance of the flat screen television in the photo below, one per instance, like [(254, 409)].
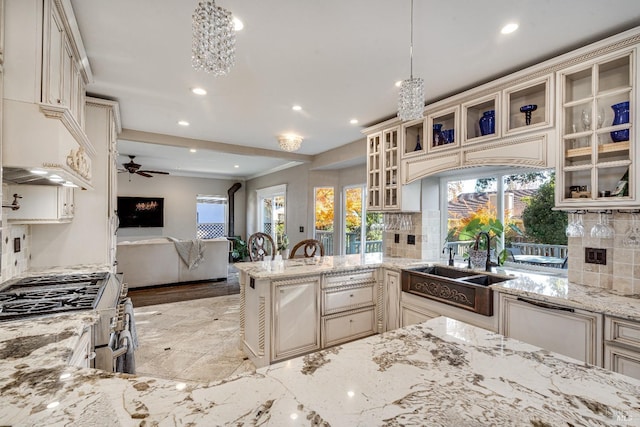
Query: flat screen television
[(141, 212)]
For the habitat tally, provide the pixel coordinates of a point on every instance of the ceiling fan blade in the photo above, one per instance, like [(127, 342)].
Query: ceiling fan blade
[(144, 174), (164, 173)]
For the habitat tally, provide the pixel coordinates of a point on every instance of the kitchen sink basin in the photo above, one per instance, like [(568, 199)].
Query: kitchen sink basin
[(484, 280), (438, 270), (457, 287)]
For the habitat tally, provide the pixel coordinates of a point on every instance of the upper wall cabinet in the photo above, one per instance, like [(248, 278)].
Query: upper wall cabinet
[(481, 119), (384, 189), (528, 106), (413, 138), (444, 129), (63, 77), (45, 74), (597, 150)]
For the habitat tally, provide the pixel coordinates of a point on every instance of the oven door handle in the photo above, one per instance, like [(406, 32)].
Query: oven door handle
[(120, 351)]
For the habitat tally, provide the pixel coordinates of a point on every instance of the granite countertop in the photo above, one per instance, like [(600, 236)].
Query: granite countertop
[(318, 265), (558, 290), (442, 372), (548, 287)]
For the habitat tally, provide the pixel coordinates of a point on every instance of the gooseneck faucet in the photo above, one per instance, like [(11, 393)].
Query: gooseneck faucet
[(487, 266), (450, 254)]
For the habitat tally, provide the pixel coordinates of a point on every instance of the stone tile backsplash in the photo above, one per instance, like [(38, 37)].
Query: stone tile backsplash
[(425, 226), (621, 273), (15, 256)]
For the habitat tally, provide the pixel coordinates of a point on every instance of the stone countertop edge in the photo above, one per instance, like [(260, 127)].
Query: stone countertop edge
[(531, 284), (443, 371)]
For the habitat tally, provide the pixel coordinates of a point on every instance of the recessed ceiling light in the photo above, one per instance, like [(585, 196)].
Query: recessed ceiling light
[(509, 28), (296, 108), (192, 150), (183, 123), (353, 121), (399, 83), (237, 24), (198, 91), (236, 166)]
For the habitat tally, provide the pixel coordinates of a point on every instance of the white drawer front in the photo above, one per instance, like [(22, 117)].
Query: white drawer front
[(622, 331), (335, 300), (348, 326), (349, 278)]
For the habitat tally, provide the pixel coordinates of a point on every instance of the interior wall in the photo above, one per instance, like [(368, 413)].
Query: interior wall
[(297, 201), (179, 203), (301, 182)]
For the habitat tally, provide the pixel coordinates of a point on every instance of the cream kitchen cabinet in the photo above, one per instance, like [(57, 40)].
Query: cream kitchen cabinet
[(413, 310), (622, 346), (385, 191), (63, 82), (349, 306), (83, 355), (296, 317), (391, 281), (572, 332), (41, 204), (45, 75), (597, 151)]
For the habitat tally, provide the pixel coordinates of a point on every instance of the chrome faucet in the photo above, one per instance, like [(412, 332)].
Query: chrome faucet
[(487, 266)]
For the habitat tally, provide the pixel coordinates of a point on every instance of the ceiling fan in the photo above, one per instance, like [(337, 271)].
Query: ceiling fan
[(133, 167)]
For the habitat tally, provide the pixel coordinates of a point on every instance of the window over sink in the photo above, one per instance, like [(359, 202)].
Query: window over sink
[(521, 200)]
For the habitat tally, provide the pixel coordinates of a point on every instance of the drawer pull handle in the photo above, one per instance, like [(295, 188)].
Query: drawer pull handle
[(351, 296), (350, 320), (548, 306)]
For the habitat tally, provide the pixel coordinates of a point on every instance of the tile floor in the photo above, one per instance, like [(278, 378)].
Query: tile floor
[(197, 340)]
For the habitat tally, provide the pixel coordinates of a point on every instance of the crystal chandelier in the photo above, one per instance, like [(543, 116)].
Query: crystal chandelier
[(214, 40), (411, 97), (289, 142)]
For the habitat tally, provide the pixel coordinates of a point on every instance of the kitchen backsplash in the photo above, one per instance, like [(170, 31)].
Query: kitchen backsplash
[(621, 273), (15, 250), (421, 228)]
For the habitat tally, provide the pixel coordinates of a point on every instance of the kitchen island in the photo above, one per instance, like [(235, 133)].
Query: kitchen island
[(442, 372)]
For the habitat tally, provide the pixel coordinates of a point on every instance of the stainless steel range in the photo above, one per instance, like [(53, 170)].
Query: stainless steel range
[(61, 293)]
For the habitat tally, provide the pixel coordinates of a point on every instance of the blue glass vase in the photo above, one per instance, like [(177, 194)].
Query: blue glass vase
[(620, 116), (488, 122), (438, 139)]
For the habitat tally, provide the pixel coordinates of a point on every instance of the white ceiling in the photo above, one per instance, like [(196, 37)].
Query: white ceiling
[(338, 59)]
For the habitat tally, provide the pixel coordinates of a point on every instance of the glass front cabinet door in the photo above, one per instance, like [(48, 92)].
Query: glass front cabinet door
[(391, 168), (596, 135), (374, 163)]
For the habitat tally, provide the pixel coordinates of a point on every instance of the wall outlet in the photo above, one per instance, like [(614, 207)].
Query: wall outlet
[(411, 239), (301, 229), (595, 256)]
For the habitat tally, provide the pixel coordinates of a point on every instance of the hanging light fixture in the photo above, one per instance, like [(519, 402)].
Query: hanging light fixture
[(213, 46), (411, 97), (290, 142)]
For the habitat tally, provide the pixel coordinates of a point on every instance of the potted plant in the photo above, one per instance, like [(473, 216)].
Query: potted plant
[(240, 250), (478, 248), (283, 246)]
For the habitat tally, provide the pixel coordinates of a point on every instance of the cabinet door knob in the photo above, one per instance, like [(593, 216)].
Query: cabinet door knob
[(91, 355), (351, 296)]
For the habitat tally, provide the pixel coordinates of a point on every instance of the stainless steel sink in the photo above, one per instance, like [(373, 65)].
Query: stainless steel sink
[(457, 287)]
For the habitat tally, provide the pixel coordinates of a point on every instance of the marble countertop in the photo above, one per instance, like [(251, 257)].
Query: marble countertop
[(442, 372), (318, 265), (548, 287), (558, 290)]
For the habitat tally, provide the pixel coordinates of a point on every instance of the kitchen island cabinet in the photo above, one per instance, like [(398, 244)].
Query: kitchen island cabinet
[(442, 372)]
